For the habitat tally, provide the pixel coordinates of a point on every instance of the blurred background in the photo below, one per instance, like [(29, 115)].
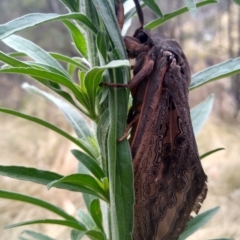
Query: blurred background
[(213, 36)]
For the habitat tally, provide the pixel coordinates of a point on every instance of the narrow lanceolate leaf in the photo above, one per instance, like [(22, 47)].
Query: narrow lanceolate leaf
[(38, 202), (96, 213), (237, 2), (93, 78), (53, 86), (154, 7), (36, 235), (211, 152), (91, 164), (103, 44), (78, 62), (76, 235), (130, 9), (21, 44), (191, 7), (48, 125), (197, 222), (86, 219), (67, 223), (73, 116), (44, 75), (200, 113), (40, 177), (108, 16), (78, 38), (215, 72), (157, 22), (92, 235), (85, 181), (222, 239), (33, 19), (12, 61), (73, 5)]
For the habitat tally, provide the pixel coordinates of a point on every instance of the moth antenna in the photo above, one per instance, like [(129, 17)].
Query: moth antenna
[(120, 13), (139, 13)]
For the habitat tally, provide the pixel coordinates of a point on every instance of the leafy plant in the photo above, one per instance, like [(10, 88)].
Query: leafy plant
[(104, 176)]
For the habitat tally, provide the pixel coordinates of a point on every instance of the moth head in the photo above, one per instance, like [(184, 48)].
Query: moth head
[(144, 37), (134, 47)]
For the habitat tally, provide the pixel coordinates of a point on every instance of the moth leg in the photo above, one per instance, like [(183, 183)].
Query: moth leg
[(134, 47), (139, 12), (125, 134), (141, 75), (120, 13)]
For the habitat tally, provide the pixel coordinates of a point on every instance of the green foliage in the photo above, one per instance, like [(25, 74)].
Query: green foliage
[(105, 169)]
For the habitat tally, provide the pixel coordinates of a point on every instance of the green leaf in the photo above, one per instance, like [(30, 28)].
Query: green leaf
[(103, 44), (78, 38), (21, 44), (237, 2), (23, 238), (93, 235), (91, 164), (119, 162), (12, 61), (76, 235), (215, 72), (96, 213), (107, 14), (67, 223), (34, 19), (39, 176), (53, 86), (119, 166), (86, 139), (94, 77), (49, 126), (84, 181), (222, 239), (55, 78), (43, 74), (154, 7), (73, 5), (197, 222), (36, 235), (49, 68), (78, 62), (191, 7), (73, 116), (86, 220), (211, 152), (37, 202), (200, 113), (157, 22)]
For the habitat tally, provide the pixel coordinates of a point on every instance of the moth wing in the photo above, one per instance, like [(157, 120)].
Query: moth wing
[(169, 180)]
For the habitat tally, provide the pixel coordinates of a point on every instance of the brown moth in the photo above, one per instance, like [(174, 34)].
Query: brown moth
[(169, 181)]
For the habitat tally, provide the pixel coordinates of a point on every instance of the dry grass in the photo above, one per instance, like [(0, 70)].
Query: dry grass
[(24, 143), (28, 144), (223, 170)]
